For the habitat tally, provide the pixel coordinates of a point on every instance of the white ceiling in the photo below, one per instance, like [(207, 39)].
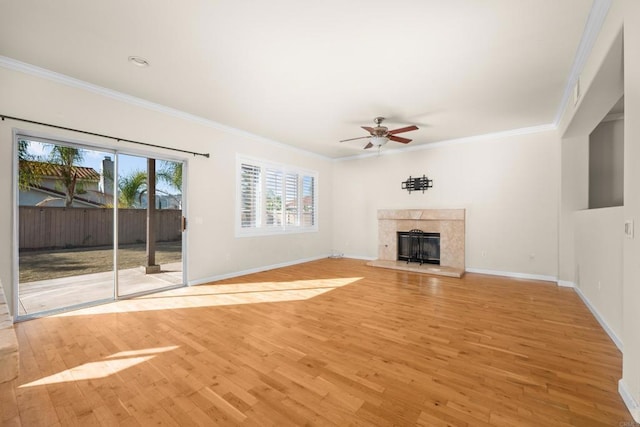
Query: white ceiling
[(308, 74)]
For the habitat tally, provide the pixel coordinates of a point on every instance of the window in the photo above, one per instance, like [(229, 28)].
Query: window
[(275, 198)]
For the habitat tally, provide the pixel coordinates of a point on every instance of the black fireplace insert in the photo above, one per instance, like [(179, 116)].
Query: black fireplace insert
[(418, 246)]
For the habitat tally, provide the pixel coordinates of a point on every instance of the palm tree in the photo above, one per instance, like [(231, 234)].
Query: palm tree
[(28, 175), (131, 187), (171, 173), (23, 150), (67, 158)]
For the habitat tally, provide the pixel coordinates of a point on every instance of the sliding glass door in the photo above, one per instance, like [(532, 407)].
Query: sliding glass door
[(150, 224), (75, 206), (65, 226)]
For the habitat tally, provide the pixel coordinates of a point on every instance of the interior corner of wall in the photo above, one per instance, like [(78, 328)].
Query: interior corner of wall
[(629, 400), (566, 283)]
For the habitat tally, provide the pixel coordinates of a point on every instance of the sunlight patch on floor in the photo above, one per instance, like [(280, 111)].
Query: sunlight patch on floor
[(220, 295), (144, 351), (101, 369)]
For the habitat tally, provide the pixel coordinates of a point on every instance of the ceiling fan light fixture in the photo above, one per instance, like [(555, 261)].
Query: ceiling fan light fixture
[(139, 61), (378, 141), (380, 135)]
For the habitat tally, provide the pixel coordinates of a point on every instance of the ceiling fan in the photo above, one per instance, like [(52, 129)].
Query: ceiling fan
[(380, 135)]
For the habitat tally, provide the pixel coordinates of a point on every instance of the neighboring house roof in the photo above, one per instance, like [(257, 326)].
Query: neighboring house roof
[(53, 194), (49, 170)]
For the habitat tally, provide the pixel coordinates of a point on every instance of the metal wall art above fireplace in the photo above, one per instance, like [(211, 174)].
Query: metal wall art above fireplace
[(418, 246), (417, 184)]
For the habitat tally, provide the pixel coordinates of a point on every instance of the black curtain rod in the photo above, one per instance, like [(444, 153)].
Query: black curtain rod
[(104, 136)]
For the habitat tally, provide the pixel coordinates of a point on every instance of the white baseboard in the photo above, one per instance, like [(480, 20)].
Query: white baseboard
[(566, 284), (632, 405), (512, 274), (616, 340), (364, 258), (204, 280)]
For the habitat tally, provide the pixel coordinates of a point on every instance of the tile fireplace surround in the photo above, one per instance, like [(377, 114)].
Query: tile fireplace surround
[(450, 223)]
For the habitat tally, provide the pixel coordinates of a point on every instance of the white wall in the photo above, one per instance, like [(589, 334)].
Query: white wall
[(212, 249), (631, 306), (574, 196), (604, 81), (508, 186), (598, 242)]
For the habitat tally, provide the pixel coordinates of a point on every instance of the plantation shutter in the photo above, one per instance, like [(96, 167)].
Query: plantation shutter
[(308, 201), (249, 194), (273, 193), (291, 199)]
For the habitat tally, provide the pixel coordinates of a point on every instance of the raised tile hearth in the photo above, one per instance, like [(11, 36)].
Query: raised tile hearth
[(450, 223)]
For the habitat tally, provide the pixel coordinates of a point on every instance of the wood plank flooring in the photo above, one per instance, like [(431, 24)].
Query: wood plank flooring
[(332, 342)]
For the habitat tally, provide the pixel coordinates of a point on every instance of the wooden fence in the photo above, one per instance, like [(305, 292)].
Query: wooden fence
[(54, 227)]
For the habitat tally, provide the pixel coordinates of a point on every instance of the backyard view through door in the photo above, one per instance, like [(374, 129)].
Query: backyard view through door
[(150, 224), (67, 201)]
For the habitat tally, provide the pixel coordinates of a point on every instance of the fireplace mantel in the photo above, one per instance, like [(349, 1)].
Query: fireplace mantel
[(450, 223), (421, 214)]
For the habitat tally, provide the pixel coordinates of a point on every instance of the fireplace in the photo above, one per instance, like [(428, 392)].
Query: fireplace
[(448, 224), (418, 246)]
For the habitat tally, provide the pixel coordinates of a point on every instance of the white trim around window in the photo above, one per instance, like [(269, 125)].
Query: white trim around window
[(273, 198)]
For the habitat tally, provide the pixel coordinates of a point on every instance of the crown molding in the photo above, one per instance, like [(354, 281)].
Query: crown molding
[(594, 23), (23, 67), (613, 117), (597, 15)]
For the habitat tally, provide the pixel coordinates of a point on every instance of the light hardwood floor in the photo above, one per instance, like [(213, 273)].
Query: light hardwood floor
[(332, 342)]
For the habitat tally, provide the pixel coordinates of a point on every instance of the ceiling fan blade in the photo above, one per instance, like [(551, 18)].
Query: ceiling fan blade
[(405, 129), (368, 129), (353, 139), (369, 145), (399, 139)]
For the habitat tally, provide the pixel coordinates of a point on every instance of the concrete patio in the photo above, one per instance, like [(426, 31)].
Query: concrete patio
[(46, 295)]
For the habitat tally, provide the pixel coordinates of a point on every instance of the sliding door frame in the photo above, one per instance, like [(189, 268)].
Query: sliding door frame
[(116, 151), (183, 203)]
